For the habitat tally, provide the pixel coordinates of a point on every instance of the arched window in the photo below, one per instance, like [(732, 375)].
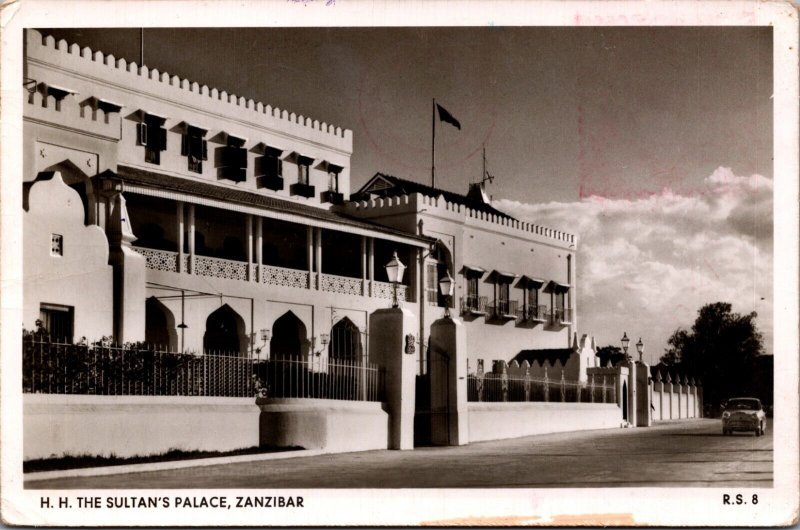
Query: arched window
[(289, 337), (345, 341), (159, 327), (225, 333)]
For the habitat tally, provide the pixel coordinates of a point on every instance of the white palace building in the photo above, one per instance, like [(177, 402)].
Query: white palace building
[(187, 220)]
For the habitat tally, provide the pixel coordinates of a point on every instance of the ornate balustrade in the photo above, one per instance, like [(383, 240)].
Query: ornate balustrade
[(220, 268), (343, 285), (159, 260), (385, 290), (284, 277)]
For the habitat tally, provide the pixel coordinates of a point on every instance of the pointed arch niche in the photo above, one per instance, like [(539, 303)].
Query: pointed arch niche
[(225, 333), (159, 327), (289, 337)]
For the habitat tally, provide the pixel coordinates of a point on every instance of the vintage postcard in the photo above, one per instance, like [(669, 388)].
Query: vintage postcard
[(379, 263)]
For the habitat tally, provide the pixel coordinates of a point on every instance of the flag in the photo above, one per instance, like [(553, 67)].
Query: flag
[(447, 117)]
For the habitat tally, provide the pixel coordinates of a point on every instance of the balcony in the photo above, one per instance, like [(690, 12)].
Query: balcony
[(561, 316), (303, 190), (271, 182), (167, 261), (331, 197), (504, 309), (533, 314), (474, 305)]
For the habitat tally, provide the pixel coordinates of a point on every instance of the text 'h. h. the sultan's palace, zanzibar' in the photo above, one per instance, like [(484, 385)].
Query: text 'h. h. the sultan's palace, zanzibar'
[(201, 257)]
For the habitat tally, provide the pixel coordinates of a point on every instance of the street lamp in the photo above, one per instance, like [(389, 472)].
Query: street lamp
[(640, 349), (324, 338), (446, 288), (625, 341), (395, 270)]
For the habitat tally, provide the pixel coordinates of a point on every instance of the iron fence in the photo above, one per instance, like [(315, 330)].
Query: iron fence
[(134, 370), (102, 369), (501, 387), (319, 377)]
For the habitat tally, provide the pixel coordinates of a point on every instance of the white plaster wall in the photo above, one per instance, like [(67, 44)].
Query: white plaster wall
[(496, 421), (57, 425), (81, 277), (333, 426), (92, 73)]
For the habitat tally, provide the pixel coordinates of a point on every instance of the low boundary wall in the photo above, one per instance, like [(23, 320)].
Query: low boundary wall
[(496, 421), (330, 425), (57, 425)]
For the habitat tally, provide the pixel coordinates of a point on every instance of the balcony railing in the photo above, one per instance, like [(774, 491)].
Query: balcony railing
[(284, 277), (504, 309), (343, 285), (220, 268), (535, 313), (159, 260), (561, 315), (475, 305), (164, 260)]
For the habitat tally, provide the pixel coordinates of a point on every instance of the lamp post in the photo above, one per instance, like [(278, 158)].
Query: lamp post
[(625, 341), (324, 339), (640, 349), (446, 288), (395, 270)]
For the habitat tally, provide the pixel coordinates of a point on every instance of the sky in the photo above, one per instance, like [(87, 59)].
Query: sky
[(653, 145)]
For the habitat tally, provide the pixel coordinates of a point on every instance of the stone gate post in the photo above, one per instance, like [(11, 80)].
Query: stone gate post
[(392, 345), (449, 339), (644, 415)]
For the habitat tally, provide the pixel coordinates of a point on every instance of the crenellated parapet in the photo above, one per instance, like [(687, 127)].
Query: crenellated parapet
[(458, 212), (129, 76), (68, 111)]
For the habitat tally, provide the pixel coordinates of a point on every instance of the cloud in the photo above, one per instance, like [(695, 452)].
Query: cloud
[(647, 264)]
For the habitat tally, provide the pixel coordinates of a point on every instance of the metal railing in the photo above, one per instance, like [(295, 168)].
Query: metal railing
[(504, 308), (100, 369), (561, 315), (474, 304), (497, 387), (533, 313), (132, 370), (320, 378)]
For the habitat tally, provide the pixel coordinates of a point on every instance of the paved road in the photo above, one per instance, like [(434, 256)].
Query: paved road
[(687, 453)]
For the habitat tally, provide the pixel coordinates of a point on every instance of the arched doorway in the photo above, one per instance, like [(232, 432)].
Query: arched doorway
[(225, 333), (625, 400), (289, 337), (345, 341), (159, 326)]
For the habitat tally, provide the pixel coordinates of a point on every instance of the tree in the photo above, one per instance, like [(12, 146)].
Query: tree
[(610, 355), (721, 351)]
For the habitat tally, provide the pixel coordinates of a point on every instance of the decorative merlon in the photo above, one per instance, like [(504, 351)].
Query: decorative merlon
[(40, 45), (445, 206)]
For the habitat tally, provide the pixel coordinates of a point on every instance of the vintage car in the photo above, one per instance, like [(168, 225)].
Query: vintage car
[(744, 414)]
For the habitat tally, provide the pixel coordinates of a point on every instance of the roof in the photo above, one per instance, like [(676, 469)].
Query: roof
[(400, 186), (222, 193), (550, 355)]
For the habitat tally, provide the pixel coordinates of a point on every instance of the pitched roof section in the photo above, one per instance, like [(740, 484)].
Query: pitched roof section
[(389, 186), (221, 193)]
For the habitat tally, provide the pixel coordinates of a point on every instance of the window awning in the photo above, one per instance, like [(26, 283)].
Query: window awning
[(558, 287), (503, 276), (473, 271), (184, 127), (269, 150), (141, 113), (530, 282), (329, 167), (103, 104), (225, 137)]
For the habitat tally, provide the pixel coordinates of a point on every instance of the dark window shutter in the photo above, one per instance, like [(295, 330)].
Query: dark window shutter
[(163, 134), (141, 133), (239, 157), (204, 148), (278, 167), (185, 145)]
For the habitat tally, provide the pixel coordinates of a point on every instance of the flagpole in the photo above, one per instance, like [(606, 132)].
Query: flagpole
[(433, 144)]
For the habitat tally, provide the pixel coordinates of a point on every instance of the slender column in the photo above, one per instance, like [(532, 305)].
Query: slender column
[(259, 248), (364, 266), (318, 245), (371, 265), (191, 238), (310, 255), (249, 230), (179, 235)]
